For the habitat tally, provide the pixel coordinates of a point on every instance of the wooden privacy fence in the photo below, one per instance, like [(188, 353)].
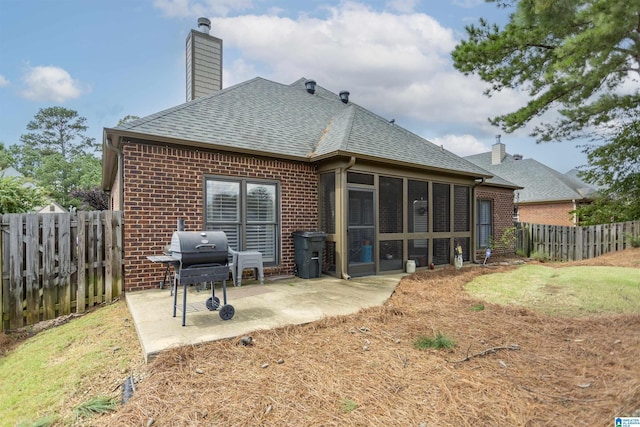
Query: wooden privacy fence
[(54, 264), (566, 243)]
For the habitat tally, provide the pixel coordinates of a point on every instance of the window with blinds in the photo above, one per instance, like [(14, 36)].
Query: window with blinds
[(247, 212), (485, 223)]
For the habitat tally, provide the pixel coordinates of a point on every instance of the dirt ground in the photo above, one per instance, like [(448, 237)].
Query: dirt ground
[(511, 366)]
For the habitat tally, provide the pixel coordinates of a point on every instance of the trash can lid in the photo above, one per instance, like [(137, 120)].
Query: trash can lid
[(309, 233)]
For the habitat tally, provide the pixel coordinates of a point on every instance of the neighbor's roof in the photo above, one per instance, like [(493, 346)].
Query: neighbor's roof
[(540, 183), (264, 117)]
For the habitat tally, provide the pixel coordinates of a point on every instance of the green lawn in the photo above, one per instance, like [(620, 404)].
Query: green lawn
[(567, 291), (48, 375)]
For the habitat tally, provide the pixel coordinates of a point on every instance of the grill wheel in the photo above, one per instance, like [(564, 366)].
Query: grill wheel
[(227, 312), (213, 303)]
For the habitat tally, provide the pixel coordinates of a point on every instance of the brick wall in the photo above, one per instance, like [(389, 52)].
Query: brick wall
[(163, 184), (502, 214), (550, 213)]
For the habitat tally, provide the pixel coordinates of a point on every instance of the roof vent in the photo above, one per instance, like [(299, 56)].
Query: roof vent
[(344, 96), (204, 25), (311, 86), (517, 157)]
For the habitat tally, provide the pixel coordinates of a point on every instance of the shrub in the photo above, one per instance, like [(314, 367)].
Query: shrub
[(634, 240), (540, 256)]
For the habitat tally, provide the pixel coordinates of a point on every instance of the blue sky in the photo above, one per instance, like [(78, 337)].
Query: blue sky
[(110, 58)]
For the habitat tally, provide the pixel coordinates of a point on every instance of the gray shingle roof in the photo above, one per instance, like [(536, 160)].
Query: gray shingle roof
[(541, 183), (284, 120)]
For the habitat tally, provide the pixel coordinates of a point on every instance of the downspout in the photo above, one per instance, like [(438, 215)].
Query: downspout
[(120, 166), (343, 240), (474, 213)]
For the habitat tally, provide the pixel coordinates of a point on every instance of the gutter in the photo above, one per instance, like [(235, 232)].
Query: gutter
[(343, 241)]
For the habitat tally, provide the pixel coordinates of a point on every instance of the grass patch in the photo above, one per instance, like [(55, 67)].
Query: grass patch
[(438, 342), (477, 307), (95, 406), (348, 405), (566, 291), (51, 372)]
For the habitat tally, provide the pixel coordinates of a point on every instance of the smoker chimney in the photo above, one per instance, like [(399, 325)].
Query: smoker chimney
[(203, 61), (344, 96), (311, 86), (204, 25)]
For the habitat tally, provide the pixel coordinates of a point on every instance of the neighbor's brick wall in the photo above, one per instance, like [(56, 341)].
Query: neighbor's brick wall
[(550, 213), (163, 184), (502, 214)]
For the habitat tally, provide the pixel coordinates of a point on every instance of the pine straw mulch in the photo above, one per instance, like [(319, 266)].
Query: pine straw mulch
[(363, 369)]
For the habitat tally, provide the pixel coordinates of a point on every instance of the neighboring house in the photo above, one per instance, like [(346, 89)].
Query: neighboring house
[(50, 207), (547, 196), (261, 160)]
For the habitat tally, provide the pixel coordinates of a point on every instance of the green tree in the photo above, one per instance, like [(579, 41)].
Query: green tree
[(6, 157), (16, 196), (577, 58), (126, 119), (58, 154)]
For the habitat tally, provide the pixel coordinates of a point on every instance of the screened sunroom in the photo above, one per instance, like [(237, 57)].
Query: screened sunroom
[(377, 218)]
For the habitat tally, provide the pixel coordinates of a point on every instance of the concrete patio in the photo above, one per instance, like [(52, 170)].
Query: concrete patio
[(276, 303)]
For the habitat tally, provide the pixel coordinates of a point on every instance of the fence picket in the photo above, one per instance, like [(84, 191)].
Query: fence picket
[(82, 298), (32, 252), (49, 287), (16, 319), (99, 258)]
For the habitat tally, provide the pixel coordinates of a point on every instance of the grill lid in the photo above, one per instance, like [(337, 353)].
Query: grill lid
[(199, 247)]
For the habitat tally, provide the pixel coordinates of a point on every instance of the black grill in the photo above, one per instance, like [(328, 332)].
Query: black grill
[(199, 247), (201, 257)]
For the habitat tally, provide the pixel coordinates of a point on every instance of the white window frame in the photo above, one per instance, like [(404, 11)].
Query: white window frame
[(240, 229), (483, 223)]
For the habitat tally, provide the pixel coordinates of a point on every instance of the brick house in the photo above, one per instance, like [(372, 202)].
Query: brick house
[(261, 160), (546, 196)]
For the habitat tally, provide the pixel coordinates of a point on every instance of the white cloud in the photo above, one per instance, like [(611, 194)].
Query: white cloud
[(50, 84), (393, 64), (187, 8), (462, 145), (3, 81)]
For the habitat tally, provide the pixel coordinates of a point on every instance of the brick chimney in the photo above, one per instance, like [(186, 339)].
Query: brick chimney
[(204, 61), (498, 152)]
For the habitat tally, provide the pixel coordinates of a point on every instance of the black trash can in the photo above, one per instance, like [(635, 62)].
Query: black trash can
[(308, 247)]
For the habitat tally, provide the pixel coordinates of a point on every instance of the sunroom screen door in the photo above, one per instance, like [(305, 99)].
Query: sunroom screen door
[(361, 232)]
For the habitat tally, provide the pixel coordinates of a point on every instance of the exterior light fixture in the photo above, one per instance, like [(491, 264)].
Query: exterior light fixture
[(344, 96)]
